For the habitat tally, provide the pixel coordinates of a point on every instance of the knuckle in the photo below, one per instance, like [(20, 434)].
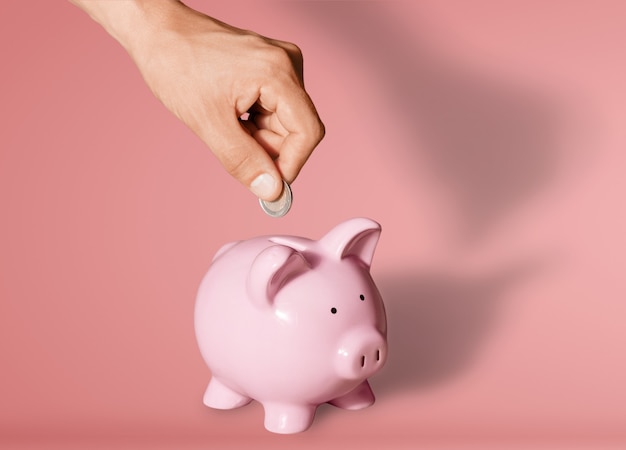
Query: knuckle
[(278, 56), (320, 131), (316, 130), (237, 165), (292, 49)]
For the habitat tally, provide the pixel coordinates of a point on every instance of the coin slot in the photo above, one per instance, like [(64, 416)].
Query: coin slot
[(363, 361), (377, 355)]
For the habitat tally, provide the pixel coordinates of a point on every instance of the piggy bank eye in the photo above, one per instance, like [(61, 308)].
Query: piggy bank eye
[(362, 297), (333, 310)]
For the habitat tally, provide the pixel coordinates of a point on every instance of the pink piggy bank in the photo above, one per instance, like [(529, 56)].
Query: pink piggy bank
[(293, 323)]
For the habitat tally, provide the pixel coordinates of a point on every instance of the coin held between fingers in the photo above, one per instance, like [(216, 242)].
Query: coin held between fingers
[(280, 206)]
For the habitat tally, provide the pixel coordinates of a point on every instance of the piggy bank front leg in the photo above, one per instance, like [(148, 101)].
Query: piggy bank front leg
[(220, 396), (358, 398), (287, 419)]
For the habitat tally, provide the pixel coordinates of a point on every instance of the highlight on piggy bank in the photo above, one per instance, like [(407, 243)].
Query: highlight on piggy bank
[(293, 323)]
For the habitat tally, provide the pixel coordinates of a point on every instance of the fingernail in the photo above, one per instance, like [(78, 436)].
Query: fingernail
[(264, 186)]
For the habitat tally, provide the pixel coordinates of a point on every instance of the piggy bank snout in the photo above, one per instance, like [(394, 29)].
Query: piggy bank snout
[(361, 353)]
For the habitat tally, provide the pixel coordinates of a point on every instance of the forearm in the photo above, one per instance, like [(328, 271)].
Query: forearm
[(132, 22)]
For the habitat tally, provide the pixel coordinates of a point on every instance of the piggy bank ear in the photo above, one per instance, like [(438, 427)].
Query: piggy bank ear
[(224, 249), (355, 237), (270, 270)]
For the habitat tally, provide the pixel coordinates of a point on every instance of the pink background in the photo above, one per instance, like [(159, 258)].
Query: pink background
[(486, 137)]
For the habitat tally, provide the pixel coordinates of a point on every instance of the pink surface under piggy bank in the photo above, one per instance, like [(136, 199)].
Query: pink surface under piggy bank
[(293, 323)]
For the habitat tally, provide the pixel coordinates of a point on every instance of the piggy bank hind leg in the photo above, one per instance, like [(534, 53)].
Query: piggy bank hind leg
[(358, 398), (288, 419), (220, 396)]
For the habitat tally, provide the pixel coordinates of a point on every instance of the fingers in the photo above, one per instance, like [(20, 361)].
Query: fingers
[(289, 134), (267, 121), (244, 157), (296, 114), (269, 139), (268, 147)]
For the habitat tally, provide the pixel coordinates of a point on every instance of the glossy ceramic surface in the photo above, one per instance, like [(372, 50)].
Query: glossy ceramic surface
[(293, 323)]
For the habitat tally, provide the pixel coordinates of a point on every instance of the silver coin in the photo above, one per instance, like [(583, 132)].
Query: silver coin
[(281, 205)]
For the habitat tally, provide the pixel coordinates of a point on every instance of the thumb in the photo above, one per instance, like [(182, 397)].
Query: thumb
[(243, 157)]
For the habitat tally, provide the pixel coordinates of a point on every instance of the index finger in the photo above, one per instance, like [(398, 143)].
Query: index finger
[(297, 114)]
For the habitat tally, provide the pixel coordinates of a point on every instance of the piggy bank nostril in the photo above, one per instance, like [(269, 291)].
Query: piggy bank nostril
[(376, 356)]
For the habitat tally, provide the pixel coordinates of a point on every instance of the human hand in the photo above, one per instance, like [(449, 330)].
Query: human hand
[(210, 74)]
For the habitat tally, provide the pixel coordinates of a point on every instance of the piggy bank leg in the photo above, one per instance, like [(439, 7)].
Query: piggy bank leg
[(358, 398), (287, 419), (219, 396)]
